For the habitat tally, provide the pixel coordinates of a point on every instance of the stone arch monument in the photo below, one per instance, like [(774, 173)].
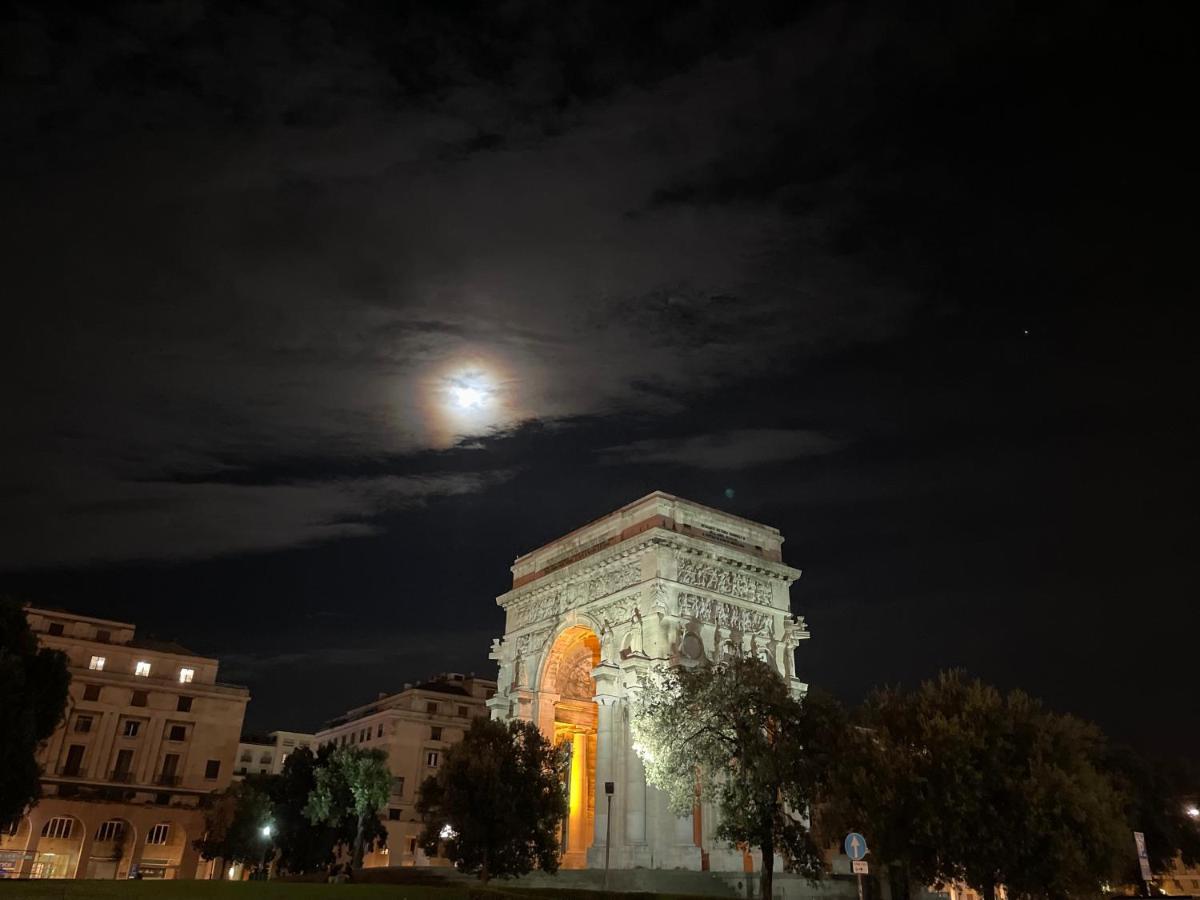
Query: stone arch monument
[(660, 582)]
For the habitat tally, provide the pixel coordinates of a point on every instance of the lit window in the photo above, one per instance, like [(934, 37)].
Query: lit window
[(58, 827), (142, 668), (159, 834), (97, 664), (112, 830), (130, 728), (186, 675), (431, 759)]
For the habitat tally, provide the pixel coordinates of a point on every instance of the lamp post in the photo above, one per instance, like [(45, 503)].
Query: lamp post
[(266, 832), (608, 789)]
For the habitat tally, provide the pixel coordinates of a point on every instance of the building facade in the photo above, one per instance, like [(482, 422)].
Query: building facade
[(414, 728), (148, 732), (660, 582), (265, 755)]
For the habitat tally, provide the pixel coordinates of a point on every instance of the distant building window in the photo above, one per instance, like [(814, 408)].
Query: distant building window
[(11, 827), (435, 733), (177, 733), (412, 845), (112, 830), (212, 769), (97, 664), (432, 758), (83, 724), (103, 636), (462, 712), (91, 692), (139, 698), (186, 676), (55, 628), (366, 732), (398, 785), (142, 669), (354, 737), (184, 704), (431, 708), (265, 759), (130, 728), (247, 756), (58, 827), (159, 834), (394, 814), (343, 742), (379, 732)]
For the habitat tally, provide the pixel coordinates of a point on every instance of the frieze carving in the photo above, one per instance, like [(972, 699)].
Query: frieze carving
[(724, 615), (532, 641), (554, 604), (690, 570)]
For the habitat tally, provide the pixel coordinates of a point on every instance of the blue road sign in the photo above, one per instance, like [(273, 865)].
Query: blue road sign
[(856, 845)]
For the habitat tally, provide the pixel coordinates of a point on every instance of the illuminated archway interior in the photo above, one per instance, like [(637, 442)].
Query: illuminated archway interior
[(568, 676)]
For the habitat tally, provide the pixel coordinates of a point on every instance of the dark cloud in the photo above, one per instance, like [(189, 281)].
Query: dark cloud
[(724, 451), (902, 281)]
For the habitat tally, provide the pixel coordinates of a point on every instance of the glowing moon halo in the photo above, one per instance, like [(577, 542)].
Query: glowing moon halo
[(467, 397)]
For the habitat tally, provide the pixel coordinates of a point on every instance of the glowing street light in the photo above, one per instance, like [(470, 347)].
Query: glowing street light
[(266, 831), (1193, 812)]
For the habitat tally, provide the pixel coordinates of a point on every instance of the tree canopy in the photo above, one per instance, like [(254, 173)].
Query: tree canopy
[(497, 801), (957, 781), (33, 695), (352, 785), (233, 825), (732, 733)]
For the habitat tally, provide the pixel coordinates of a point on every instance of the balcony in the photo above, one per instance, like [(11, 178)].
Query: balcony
[(167, 780), (121, 777), (71, 772)]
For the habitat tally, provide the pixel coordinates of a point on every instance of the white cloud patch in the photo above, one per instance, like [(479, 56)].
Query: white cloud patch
[(737, 449)]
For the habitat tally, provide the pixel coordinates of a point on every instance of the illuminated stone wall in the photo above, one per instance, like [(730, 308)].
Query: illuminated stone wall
[(660, 582)]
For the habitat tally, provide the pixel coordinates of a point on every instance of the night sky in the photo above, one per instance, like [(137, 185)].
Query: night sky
[(318, 314)]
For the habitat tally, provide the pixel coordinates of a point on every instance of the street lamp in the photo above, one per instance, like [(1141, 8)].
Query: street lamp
[(266, 831), (1193, 812)]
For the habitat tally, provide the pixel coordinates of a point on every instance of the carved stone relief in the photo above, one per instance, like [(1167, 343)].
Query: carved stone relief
[(690, 570), (569, 596), (724, 615)]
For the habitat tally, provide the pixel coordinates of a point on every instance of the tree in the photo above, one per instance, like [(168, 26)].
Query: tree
[(233, 825), (1154, 791), (303, 846), (352, 786), (732, 733), (956, 781), (33, 697), (497, 801)]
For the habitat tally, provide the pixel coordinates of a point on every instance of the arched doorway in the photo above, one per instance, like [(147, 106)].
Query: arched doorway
[(112, 850), (58, 848), (567, 683)]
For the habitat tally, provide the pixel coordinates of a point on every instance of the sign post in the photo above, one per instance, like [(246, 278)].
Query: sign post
[(1139, 841), (608, 789), (856, 849)]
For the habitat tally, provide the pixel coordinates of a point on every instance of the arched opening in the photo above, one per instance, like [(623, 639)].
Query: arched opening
[(165, 842), (567, 681), (58, 848), (112, 850)]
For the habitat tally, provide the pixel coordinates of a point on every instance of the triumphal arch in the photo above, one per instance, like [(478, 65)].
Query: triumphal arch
[(660, 582)]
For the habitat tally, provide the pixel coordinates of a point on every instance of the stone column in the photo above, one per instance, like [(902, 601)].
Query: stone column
[(31, 844), (607, 696), (85, 848)]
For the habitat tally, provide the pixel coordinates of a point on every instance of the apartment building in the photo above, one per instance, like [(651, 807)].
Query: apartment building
[(414, 727), (148, 732), (266, 754)]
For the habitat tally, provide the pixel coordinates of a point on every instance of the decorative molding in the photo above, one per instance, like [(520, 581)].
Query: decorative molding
[(576, 594), (690, 570), (724, 615)]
